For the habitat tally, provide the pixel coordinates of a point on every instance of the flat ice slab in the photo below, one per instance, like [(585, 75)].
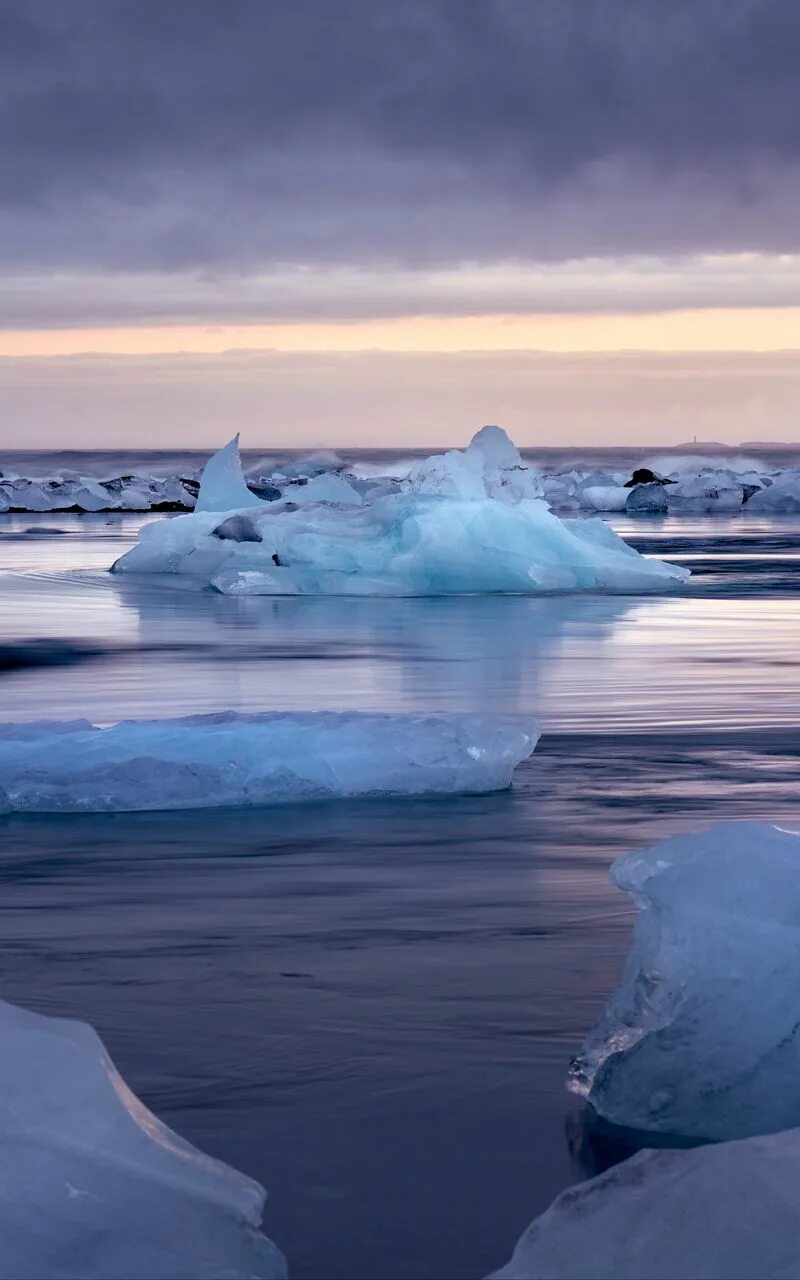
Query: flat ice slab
[(702, 1038), (723, 1212), (463, 522), (94, 1187), (229, 759)]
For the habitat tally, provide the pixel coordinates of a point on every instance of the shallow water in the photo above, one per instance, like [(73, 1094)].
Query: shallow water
[(370, 1006)]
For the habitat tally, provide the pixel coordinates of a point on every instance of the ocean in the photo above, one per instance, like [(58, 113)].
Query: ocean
[(370, 1006)]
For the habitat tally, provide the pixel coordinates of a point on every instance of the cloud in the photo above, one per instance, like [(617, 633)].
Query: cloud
[(353, 293), (375, 399), (243, 136)]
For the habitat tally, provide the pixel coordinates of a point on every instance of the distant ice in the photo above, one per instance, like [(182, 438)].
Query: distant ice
[(228, 759), (721, 1212), (469, 521), (702, 1038), (491, 457), (94, 1187)]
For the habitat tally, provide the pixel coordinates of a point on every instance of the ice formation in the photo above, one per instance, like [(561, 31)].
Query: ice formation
[(702, 1038), (463, 522), (491, 465), (229, 759), (222, 484), (729, 1211), (94, 1187)]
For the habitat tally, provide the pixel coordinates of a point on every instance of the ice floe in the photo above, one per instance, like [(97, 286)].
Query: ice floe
[(702, 1038), (728, 1211), (230, 759), (94, 1187)]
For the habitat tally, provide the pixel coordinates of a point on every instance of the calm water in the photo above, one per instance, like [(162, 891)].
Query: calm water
[(370, 1006)]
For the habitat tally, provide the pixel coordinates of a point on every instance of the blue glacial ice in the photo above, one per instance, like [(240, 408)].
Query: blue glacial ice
[(702, 1038), (94, 1187), (471, 521), (728, 1211), (226, 759), (222, 484)]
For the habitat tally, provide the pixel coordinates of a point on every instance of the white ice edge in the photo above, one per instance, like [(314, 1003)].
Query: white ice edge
[(95, 1187)]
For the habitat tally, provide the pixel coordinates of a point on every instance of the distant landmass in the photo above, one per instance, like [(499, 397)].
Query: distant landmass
[(702, 445), (769, 444)]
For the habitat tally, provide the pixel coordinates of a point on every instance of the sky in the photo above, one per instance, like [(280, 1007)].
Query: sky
[(371, 222)]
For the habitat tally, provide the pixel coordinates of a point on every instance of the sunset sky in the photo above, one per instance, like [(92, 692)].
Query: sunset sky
[(373, 222)]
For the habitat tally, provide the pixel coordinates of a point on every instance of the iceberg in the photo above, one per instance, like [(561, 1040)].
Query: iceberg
[(223, 759), (222, 484), (779, 498), (702, 1038), (722, 1212), (464, 522), (707, 491), (94, 1187)]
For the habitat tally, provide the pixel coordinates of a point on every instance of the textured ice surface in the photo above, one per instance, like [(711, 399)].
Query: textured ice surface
[(463, 522), (222, 484), (780, 498), (229, 759), (706, 492), (702, 1038), (94, 1187), (723, 1212)]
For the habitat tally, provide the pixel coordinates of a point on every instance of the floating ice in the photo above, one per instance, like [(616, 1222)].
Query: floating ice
[(228, 759), (779, 498), (647, 498), (706, 492), (94, 1187), (605, 497), (721, 1212), (702, 1038), (222, 484), (461, 524)]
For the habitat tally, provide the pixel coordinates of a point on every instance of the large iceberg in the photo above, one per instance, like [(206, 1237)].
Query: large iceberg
[(94, 1187), (702, 1038), (225, 759), (463, 522), (722, 1212)]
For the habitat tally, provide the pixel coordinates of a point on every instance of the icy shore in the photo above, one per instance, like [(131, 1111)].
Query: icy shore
[(463, 522), (688, 484), (211, 761), (94, 1187)]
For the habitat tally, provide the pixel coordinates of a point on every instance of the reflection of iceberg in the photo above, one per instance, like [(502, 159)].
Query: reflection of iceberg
[(468, 522), (95, 1186), (724, 1212), (491, 654), (703, 1036), (227, 759)]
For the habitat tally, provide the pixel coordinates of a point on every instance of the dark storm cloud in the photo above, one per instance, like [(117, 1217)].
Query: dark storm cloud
[(233, 134)]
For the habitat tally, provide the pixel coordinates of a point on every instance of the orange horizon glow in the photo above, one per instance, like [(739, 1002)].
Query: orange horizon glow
[(751, 329)]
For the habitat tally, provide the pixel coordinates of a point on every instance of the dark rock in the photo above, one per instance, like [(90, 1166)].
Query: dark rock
[(643, 475)]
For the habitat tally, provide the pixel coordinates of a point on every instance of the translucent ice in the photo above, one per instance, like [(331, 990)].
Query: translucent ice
[(222, 484), (722, 1212), (463, 522), (94, 1187), (702, 1037), (229, 759), (780, 498)]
